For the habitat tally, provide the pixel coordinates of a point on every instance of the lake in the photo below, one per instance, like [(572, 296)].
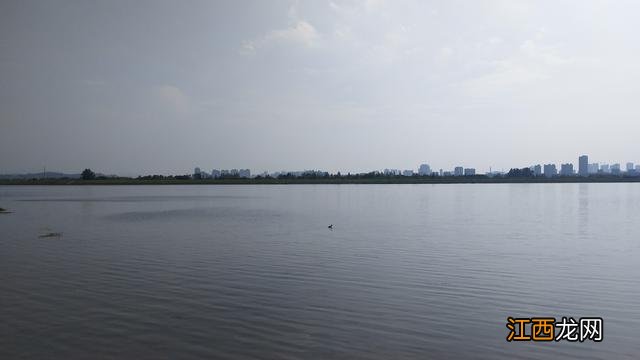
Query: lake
[(253, 272)]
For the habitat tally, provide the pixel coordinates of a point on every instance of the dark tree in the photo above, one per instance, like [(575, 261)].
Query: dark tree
[(524, 172), (87, 174)]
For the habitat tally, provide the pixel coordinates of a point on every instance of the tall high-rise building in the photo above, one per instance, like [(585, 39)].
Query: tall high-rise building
[(244, 173), (469, 172), (615, 169), (583, 165), (605, 168), (458, 171), (566, 169), (197, 173), (424, 169), (537, 170), (593, 168), (550, 170), (629, 166)]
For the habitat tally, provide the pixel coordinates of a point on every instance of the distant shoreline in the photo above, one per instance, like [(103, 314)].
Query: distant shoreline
[(331, 181)]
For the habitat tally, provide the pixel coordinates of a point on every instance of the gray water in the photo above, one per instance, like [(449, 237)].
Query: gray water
[(409, 271)]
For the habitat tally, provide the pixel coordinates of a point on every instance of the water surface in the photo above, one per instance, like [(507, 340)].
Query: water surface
[(409, 271)]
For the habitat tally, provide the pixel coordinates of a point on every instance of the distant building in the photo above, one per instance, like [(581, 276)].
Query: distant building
[(566, 169), (605, 168), (593, 168), (550, 170), (615, 169), (244, 173), (234, 172), (224, 173), (583, 165), (447, 173), (458, 171), (320, 173), (638, 168), (215, 173), (537, 170), (424, 169), (469, 172), (407, 173), (629, 166)]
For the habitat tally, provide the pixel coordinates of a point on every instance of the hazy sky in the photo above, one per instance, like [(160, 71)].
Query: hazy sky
[(135, 87)]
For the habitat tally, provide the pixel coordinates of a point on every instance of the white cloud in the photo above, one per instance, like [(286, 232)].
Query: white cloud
[(531, 62), (504, 78), (172, 98), (301, 32), (350, 7), (543, 54)]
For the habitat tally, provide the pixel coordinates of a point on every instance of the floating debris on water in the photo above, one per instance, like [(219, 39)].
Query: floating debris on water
[(51, 235), (4, 211)]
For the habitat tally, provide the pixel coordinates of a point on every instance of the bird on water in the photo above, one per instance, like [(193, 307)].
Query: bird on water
[(330, 226)]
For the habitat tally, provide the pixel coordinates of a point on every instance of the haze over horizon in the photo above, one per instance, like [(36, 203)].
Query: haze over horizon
[(161, 87)]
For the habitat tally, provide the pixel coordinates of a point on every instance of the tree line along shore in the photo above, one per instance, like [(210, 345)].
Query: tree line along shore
[(344, 179)]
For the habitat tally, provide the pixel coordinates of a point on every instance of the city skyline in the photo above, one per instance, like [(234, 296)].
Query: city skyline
[(583, 168), (566, 169), (548, 169)]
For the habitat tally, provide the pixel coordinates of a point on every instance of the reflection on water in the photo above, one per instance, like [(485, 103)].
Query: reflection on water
[(583, 210), (409, 271)]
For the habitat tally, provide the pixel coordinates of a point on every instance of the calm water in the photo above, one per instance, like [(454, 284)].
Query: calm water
[(409, 271)]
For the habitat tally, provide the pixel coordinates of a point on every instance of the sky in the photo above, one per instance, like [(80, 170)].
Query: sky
[(143, 87)]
